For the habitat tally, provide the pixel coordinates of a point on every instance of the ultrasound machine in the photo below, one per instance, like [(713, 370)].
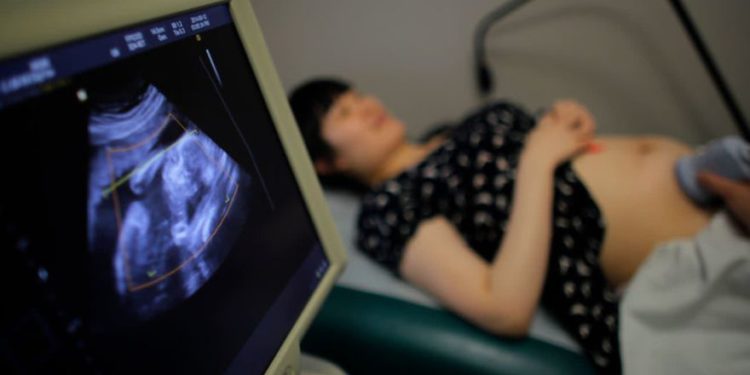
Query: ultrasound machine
[(159, 212)]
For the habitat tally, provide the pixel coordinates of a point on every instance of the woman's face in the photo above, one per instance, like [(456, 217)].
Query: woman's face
[(361, 132)]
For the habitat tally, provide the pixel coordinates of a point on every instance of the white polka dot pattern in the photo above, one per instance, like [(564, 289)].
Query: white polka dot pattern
[(470, 180)]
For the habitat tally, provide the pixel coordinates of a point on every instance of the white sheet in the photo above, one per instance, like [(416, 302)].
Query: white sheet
[(687, 310)]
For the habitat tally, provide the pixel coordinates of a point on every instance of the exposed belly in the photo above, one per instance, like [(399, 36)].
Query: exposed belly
[(633, 182)]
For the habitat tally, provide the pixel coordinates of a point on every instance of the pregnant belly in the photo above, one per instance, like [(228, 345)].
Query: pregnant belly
[(633, 182)]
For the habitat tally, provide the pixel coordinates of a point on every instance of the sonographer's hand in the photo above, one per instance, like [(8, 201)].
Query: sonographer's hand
[(736, 195)]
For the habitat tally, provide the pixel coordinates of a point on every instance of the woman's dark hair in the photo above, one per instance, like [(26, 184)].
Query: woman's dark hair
[(310, 102)]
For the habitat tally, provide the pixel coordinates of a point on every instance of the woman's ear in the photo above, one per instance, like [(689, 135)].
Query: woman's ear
[(323, 167), (326, 167)]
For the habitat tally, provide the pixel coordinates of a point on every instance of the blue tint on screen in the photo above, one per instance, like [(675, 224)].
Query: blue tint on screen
[(164, 196)]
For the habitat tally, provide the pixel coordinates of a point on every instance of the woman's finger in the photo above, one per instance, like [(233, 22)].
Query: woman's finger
[(588, 119), (569, 115), (580, 148), (588, 129)]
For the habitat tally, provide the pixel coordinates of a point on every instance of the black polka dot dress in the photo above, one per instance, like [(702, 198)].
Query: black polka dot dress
[(469, 180)]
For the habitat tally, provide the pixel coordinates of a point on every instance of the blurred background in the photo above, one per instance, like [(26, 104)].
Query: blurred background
[(631, 62)]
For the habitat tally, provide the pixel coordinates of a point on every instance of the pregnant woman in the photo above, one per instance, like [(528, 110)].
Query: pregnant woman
[(503, 211)]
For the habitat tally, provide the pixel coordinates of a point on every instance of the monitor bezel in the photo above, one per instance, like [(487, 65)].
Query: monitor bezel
[(70, 20)]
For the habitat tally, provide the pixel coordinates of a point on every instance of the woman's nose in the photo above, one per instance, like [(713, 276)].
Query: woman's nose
[(370, 106)]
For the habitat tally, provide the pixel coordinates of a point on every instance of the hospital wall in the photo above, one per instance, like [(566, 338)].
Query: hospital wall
[(630, 61)]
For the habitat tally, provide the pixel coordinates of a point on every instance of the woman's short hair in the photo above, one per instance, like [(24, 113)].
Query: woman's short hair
[(310, 102)]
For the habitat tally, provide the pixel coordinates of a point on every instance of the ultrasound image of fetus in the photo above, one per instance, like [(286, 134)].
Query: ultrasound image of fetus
[(165, 202)]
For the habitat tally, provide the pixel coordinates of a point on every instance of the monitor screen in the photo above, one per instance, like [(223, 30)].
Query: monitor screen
[(151, 221)]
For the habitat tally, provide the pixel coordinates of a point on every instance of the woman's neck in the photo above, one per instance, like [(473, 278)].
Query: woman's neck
[(402, 158)]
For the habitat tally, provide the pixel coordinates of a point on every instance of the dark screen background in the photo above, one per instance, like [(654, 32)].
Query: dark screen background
[(64, 320)]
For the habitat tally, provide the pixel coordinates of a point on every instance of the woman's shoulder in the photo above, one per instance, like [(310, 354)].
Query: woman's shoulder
[(387, 195), (499, 116), (386, 220), (496, 116)]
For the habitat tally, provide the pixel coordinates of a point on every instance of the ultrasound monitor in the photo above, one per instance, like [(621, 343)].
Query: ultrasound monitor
[(159, 212)]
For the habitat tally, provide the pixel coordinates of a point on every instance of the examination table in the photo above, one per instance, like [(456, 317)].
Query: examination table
[(374, 323)]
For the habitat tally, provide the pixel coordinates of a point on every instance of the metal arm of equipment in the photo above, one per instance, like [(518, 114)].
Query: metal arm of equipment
[(484, 76), (712, 68)]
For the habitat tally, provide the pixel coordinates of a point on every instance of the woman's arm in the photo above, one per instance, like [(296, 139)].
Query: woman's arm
[(501, 296)]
